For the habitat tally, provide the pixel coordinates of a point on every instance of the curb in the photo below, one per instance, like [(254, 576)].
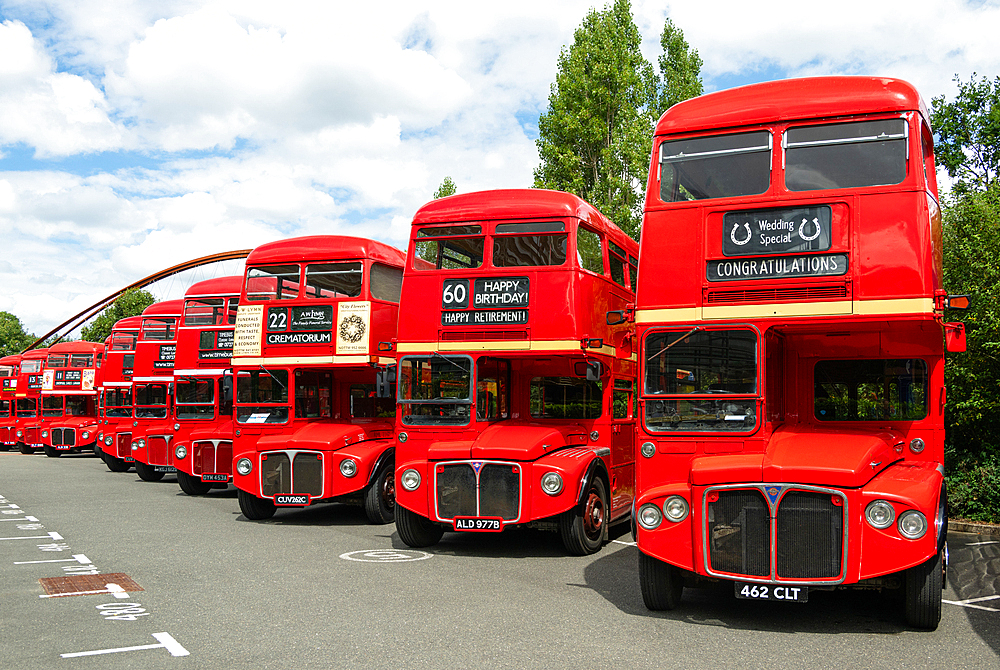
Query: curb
[(973, 527)]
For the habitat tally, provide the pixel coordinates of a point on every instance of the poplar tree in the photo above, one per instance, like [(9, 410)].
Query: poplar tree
[(595, 138)]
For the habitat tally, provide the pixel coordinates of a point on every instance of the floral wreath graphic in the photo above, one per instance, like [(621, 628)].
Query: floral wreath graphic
[(352, 329)]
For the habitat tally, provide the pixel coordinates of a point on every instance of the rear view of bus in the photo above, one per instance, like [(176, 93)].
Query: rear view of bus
[(789, 317), (515, 395), (314, 396)]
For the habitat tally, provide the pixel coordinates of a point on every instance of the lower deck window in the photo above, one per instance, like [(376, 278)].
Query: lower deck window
[(870, 390), (565, 398)]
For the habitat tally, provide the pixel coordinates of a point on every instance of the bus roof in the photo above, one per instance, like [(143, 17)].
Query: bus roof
[(792, 99), (13, 359), (78, 347), (220, 286), (165, 308), (35, 353), (524, 203), (323, 248), (128, 323)]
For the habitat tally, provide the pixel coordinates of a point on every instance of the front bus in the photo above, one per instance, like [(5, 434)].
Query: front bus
[(515, 396), (314, 405), (789, 318)]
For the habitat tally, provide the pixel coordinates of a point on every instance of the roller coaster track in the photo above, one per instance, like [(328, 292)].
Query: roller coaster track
[(91, 312)]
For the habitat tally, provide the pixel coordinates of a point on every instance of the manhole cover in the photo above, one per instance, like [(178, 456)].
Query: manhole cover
[(386, 555), (78, 585)]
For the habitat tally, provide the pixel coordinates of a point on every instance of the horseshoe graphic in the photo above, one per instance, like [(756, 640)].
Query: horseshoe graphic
[(732, 235), (802, 227)]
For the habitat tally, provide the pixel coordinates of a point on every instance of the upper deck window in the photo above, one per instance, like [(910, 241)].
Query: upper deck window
[(589, 253), (159, 329), (81, 361), (333, 280), (845, 155), (460, 247), (6, 371), (123, 341), (210, 311), (385, 282), (719, 166), (273, 282), (529, 244), (58, 361), (870, 390), (31, 366), (695, 371)]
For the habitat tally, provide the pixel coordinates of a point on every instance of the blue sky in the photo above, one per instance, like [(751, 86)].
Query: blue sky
[(135, 135)]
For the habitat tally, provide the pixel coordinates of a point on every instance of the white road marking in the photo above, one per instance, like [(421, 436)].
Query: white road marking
[(627, 544), (113, 589), (970, 603), (27, 518), (166, 641), (117, 591), (78, 558), (977, 544), (386, 555), (54, 536)]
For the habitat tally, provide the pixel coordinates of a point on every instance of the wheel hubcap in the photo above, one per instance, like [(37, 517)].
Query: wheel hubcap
[(593, 516), (389, 489)]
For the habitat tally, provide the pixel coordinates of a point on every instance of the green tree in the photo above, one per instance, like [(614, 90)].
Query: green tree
[(595, 138), (130, 303), (13, 338), (968, 133), (446, 188), (972, 417)]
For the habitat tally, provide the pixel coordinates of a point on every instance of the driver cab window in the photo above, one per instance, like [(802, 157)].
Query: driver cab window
[(492, 402)]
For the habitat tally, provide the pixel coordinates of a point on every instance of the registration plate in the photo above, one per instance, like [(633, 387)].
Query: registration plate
[(215, 477), (479, 524), (129, 459), (292, 499), (164, 468), (795, 594)]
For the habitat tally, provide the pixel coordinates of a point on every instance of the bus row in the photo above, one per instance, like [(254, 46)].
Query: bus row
[(758, 389)]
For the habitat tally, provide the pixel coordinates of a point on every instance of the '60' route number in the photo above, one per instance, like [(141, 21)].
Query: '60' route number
[(455, 294)]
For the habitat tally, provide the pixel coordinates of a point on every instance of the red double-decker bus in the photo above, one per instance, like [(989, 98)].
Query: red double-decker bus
[(9, 366), (789, 324), (69, 397), (314, 398), (515, 396), (202, 447), (115, 388), (153, 389), (27, 401)]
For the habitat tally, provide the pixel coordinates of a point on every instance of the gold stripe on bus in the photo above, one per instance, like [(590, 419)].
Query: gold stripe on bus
[(502, 345), (791, 309), (309, 360), (668, 315), (897, 306), (787, 309)]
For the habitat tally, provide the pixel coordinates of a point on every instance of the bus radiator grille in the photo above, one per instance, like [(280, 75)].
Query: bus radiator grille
[(156, 450), (499, 491), (279, 474), (497, 495), (124, 445), (63, 437), (739, 528), (810, 534)]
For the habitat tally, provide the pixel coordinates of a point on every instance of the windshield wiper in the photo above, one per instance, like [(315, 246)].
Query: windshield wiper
[(677, 341), (271, 375), (443, 357)]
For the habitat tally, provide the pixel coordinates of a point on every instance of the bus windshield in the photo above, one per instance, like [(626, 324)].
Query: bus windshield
[(262, 396), (436, 389), (151, 401)]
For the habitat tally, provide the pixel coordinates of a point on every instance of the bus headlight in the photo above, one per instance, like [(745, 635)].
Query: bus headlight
[(20, 433), (181, 451), (348, 467), (916, 445), (244, 466), (648, 449), (403, 437), (45, 433), (108, 440), (85, 435), (912, 524), (410, 480), (177, 426), (675, 508), (649, 516), (880, 514), (552, 483)]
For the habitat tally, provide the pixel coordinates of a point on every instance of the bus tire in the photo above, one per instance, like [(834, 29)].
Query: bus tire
[(114, 463), (254, 508), (147, 473), (51, 452), (661, 583), (380, 498), (192, 485), (923, 594), (25, 449), (4, 447), (416, 531), (582, 528)]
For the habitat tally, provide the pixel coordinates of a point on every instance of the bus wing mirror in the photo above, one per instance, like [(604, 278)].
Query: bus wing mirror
[(954, 337), (615, 317), (385, 382), (589, 369)]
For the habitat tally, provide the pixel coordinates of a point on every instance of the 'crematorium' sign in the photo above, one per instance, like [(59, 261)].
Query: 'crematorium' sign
[(492, 301)]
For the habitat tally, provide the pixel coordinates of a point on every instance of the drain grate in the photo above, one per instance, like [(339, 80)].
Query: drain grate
[(78, 585)]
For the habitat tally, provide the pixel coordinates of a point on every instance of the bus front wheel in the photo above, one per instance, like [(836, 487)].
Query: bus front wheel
[(192, 485), (114, 463), (661, 583), (25, 449), (582, 528), (924, 584), (254, 508), (380, 498), (416, 531), (147, 473), (51, 452)]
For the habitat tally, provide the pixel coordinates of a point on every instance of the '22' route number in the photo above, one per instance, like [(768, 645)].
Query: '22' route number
[(277, 320), (455, 294)]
